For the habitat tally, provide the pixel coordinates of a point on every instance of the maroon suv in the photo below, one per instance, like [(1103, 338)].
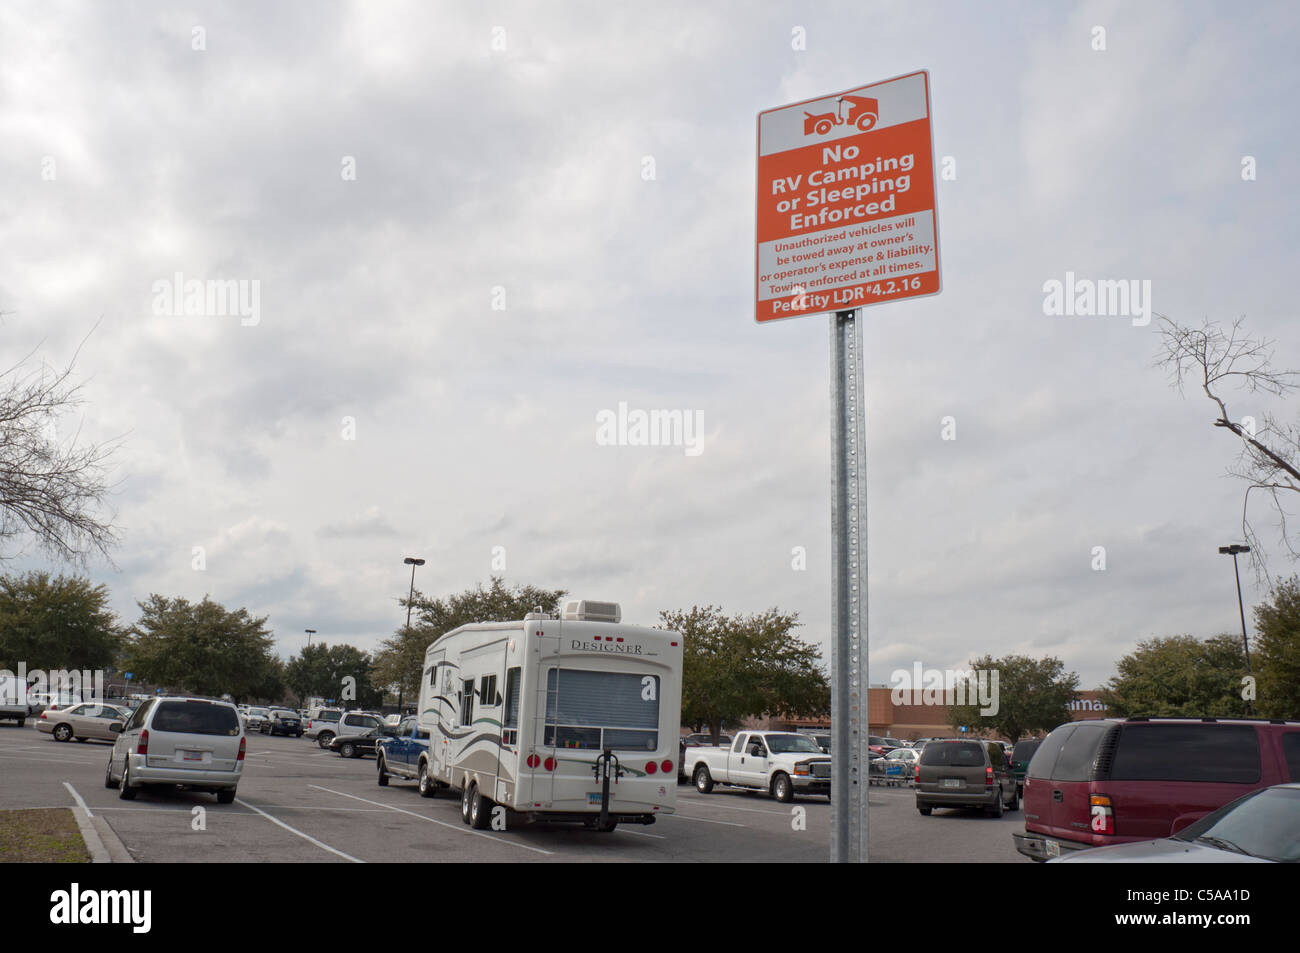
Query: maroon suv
[(1111, 781)]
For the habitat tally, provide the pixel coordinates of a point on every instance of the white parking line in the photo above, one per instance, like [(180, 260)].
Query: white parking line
[(706, 820), (292, 830), (77, 797), (10, 757), (461, 830), (731, 807), (641, 834)]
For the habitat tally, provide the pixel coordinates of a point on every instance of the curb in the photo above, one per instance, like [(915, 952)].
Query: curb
[(117, 852), (98, 852)]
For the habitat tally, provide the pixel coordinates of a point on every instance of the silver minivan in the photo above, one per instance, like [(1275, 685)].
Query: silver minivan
[(193, 742)]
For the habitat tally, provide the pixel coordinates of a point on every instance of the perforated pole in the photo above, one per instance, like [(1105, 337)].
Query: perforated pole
[(849, 735)]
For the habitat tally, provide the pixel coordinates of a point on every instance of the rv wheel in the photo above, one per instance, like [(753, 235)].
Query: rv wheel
[(480, 811), (464, 802)]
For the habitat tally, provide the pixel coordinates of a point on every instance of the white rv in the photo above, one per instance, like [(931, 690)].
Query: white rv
[(571, 719)]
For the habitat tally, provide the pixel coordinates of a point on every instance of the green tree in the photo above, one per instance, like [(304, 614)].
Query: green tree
[(204, 648), (1180, 676), (400, 660), (735, 667), (340, 672), (1276, 655), (56, 622), (1033, 695)]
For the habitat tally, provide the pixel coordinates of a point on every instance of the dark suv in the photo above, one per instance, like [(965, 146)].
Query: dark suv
[(1020, 757), (1111, 781), (960, 772)]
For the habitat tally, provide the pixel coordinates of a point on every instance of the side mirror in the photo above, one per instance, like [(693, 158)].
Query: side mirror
[(116, 727)]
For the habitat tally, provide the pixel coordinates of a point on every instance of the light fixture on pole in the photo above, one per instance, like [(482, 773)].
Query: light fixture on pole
[(411, 561), (1233, 551), (310, 633)]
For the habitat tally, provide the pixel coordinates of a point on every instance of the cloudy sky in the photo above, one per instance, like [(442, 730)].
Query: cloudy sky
[(475, 227)]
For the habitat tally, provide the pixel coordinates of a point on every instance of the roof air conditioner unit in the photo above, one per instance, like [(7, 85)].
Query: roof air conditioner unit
[(584, 610)]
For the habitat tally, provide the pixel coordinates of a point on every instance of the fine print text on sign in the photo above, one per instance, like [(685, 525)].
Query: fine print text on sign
[(846, 213)]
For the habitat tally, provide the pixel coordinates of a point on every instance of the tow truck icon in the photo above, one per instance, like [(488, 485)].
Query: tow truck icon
[(862, 112)]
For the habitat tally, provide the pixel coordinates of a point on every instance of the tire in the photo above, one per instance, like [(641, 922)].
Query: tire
[(607, 827), (125, 791), (997, 808), (347, 750), (703, 780), (480, 811), (465, 796), (22, 722), (324, 738), (782, 789), (383, 775), (925, 811), (108, 775), (63, 732), (866, 121), (822, 127), (428, 786), (1015, 801), (226, 796)]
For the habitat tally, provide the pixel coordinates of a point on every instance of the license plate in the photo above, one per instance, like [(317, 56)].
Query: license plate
[(952, 782), (1053, 848), (193, 755), (593, 798)]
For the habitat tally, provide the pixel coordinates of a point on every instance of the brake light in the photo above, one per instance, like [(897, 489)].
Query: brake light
[(42, 716), (988, 775), (143, 746), (549, 764), (1103, 814), (533, 761), (242, 743), (916, 778), (666, 767), (651, 767)]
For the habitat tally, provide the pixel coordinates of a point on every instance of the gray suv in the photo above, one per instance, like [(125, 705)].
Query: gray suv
[(959, 772), (193, 742)]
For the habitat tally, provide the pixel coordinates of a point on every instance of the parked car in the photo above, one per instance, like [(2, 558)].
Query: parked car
[(880, 746), (321, 719), (962, 772), (194, 742), (15, 703), (782, 763), (1261, 827), (822, 739), (400, 755), (254, 718), (350, 724), (360, 745), (1020, 756), (282, 721), (87, 720), (1110, 781)]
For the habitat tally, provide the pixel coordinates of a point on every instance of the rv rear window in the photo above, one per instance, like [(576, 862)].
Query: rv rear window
[(596, 710)]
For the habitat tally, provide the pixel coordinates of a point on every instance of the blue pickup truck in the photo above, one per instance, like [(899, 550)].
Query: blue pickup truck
[(398, 756)]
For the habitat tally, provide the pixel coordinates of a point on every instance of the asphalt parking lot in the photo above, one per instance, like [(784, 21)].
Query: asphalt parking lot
[(298, 804)]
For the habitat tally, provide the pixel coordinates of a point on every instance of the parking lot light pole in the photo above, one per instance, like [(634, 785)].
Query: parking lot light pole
[(1233, 551), (412, 562), (310, 633)]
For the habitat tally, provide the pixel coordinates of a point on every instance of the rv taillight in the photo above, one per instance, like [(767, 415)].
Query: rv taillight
[(242, 743), (549, 764), (666, 767), (651, 767), (533, 761), (143, 746)]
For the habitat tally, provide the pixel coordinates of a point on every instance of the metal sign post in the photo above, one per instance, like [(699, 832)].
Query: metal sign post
[(849, 731)]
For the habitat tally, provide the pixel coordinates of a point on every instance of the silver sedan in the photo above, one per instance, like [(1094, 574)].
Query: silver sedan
[(87, 720)]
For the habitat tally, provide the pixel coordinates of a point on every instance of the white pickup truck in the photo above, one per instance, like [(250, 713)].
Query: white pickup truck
[(781, 763), (14, 703)]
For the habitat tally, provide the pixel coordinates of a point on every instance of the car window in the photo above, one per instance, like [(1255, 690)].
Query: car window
[(793, 744), (1291, 751), (1024, 750), (77, 710), (956, 754), (195, 718), (1265, 823), (1078, 754), (1187, 753), (140, 715), (1044, 759)]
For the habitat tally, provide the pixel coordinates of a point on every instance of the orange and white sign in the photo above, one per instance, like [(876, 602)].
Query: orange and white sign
[(846, 200)]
